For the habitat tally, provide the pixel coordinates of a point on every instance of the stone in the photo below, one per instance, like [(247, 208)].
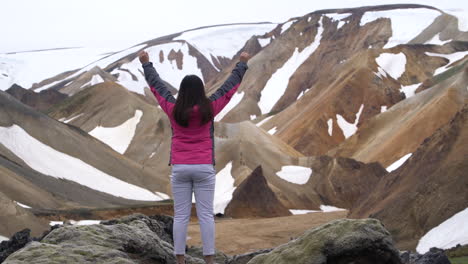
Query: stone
[(363, 241)]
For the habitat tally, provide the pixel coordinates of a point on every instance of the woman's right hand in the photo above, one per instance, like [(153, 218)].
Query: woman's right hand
[(244, 57), (144, 57)]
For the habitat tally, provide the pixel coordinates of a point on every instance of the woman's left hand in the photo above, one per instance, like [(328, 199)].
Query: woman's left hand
[(144, 57)]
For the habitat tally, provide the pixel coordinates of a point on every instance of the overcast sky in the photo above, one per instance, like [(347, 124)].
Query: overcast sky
[(118, 24)]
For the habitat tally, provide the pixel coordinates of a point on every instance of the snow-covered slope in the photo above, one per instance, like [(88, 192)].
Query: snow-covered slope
[(27, 68)]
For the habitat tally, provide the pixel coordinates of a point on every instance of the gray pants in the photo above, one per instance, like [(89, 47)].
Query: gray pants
[(199, 179)]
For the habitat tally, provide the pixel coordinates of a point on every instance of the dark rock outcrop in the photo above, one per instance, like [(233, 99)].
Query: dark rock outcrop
[(254, 198), (131, 239), (17, 241), (40, 101), (434, 256), (340, 241)]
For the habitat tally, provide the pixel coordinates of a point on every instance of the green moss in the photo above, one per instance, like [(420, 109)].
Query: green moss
[(459, 260)]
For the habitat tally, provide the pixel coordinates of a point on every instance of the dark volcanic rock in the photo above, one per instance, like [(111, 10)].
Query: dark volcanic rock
[(17, 241), (40, 101), (433, 256), (254, 198), (131, 239), (341, 241)]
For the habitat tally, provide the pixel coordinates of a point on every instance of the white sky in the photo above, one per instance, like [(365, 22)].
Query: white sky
[(118, 24)]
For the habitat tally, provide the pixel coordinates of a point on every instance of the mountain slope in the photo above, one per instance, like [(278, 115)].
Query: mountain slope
[(400, 130), (34, 145), (428, 189)]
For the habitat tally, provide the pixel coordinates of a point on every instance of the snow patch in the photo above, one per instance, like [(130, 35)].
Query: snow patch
[(301, 211), (49, 161), (224, 189), (264, 41), (383, 108), (330, 126), (395, 165), (152, 154), (2, 238), (235, 100), (79, 223), (277, 84), (252, 117), (349, 128), (286, 26), (329, 208), (94, 80), (70, 119), (118, 137), (339, 17), (295, 174), (402, 20), (448, 234), (272, 131), (393, 64), (22, 205), (409, 90), (453, 57), (436, 40)]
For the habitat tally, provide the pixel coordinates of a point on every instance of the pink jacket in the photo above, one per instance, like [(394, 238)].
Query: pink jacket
[(193, 144)]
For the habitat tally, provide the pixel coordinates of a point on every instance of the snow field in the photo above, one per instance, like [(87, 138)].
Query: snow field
[(118, 137), (224, 189), (393, 64), (349, 128), (277, 84), (395, 165), (235, 100), (167, 69), (223, 41), (49, 161), (27, 68), (448, 234), (295, 174), (404, 29)]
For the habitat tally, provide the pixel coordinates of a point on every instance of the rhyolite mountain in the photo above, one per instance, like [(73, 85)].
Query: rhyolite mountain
[(330, 100)]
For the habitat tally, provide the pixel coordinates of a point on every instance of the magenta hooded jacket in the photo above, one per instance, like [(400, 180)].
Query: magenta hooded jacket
[(193, 144)]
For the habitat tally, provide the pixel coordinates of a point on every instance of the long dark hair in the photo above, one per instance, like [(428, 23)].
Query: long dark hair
[(191, 93)]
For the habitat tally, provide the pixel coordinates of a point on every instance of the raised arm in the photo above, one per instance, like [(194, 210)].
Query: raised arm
[(223, 95), (157, 86)]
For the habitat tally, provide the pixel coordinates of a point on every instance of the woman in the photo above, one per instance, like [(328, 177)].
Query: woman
[(192, 148)]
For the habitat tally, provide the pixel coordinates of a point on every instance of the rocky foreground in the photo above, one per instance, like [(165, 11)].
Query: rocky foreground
[(148, 239)]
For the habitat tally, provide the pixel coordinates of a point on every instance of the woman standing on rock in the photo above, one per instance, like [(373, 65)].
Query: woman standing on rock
[(192, 148)]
